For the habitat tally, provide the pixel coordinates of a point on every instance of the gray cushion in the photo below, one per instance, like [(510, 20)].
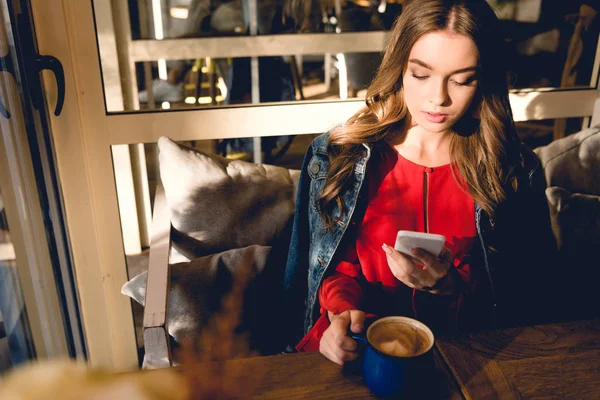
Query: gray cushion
[(576, 224), (573, 162), (572, 169), (575, 220), (218, 204), (197, 287)]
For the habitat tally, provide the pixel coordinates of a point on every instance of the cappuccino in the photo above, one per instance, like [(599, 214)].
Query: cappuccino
[(399, 338)]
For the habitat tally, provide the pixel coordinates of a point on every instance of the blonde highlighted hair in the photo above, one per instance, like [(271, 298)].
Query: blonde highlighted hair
[(484, 150)]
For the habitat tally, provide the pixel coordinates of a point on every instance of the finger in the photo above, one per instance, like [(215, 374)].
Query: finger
[(336, 351), (420, 284), (344, 348), (357, 321), (330, 348), (339, 329), (420, 275), (409, 281), (432, 264), (438, 267), (404, 266), (340, 323), (446, 255), (400, 259), (423, 256), (348, 356), (340, 356), (345, 343), (329, 351)]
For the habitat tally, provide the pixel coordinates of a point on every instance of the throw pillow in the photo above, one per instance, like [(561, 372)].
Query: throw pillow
[(575, 220), (218, 204), (573, 162), (197, 287), (576, 224)]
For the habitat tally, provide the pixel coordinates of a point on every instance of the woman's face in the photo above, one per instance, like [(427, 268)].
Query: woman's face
[(440, 80)]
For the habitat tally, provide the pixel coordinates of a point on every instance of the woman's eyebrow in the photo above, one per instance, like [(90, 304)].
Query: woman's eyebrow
[(425, 65)]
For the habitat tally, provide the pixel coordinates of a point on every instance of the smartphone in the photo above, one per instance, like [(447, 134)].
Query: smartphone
[(430, 242)]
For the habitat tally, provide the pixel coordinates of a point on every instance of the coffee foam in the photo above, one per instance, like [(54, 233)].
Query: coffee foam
[(399, 339)]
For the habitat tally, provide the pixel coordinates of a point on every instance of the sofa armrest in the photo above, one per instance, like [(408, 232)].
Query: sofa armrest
[(156, 339)]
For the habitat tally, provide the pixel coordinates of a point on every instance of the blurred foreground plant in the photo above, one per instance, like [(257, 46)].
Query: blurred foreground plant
[(204, 360), (203, 374)]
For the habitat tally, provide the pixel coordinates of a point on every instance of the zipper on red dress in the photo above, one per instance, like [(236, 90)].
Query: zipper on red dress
[(426, 198)]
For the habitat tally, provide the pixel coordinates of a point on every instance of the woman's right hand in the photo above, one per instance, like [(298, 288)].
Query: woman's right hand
[(335, 343)]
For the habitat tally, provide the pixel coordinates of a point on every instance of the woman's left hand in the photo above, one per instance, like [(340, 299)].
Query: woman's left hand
[(437, 275)]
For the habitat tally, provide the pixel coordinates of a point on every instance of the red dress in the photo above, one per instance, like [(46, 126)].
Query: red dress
[(401, 195)]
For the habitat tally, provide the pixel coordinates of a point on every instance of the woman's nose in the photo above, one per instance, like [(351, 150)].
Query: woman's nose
[(439, 94)]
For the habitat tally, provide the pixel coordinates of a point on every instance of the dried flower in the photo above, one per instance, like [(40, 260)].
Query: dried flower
[(205, 372), (205, 361)]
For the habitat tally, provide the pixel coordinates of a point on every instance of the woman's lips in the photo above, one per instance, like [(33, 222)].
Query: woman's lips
[(436, 118)]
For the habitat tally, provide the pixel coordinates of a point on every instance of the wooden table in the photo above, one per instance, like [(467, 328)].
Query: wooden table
[(557, 361), (312, 376)]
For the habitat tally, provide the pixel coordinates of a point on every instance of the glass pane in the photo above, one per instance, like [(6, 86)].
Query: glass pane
[(15, 341), (156, 19), (203, 83), (38, 299), (210, 82), (550, 44)]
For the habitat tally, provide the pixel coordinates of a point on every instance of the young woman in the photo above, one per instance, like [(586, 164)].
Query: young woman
[(434, 150)]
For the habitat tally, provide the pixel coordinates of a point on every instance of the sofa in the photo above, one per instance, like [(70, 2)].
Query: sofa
[(216, 220), (572, 169)]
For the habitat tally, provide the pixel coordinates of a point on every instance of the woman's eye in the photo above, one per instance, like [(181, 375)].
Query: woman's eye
[(466, 82), (419, 77)]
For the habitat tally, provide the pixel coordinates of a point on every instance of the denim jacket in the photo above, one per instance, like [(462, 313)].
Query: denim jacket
[(515, 248)]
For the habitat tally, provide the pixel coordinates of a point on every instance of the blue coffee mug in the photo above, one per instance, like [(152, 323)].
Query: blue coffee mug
[(407, 359)]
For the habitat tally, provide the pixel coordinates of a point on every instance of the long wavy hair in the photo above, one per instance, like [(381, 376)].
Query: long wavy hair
[(484, 149)]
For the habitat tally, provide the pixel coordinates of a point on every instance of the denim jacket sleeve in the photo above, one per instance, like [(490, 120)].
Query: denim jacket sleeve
[(296, 270)]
